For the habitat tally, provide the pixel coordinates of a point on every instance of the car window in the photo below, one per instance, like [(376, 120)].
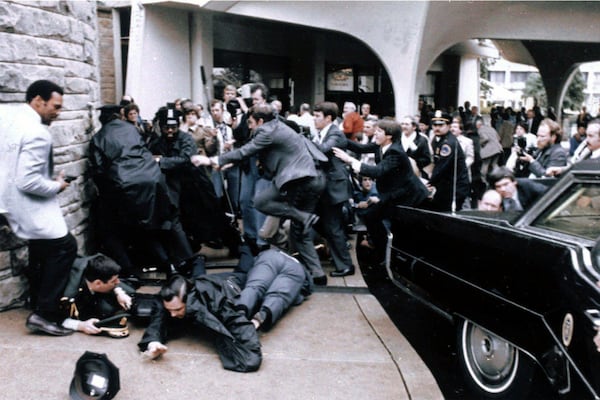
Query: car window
[(576, 212)]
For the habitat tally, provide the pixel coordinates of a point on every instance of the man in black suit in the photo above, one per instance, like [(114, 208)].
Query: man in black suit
[(517, 195), (396, 182), (296, 184), (337, 191)]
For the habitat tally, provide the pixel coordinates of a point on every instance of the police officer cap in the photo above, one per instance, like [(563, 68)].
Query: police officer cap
[(440, 118), (95, 377), (108, 112), (168, 116), (110, 109)]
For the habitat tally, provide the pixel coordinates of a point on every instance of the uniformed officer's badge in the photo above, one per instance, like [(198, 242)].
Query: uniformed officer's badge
[(446, 150), (438, 114)]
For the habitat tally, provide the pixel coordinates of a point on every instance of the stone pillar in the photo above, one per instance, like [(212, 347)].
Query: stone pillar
[(55, 40), (468, 81)]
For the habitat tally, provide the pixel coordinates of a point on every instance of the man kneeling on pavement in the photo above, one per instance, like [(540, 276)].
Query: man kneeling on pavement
[(274, 282)]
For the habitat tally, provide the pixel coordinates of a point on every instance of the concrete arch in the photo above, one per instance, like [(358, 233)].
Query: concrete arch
[(408, 36), (377, 24)]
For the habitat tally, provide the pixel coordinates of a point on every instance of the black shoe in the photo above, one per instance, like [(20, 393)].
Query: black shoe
[(344, 272), (36, 323), (308, 224), (320, 280)]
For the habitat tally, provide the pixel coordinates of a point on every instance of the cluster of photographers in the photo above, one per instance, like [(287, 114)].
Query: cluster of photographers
[(167, 187)]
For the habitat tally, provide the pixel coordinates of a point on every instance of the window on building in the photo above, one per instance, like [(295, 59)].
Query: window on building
[(497, 77), (596, 83), (519, 77), (125, 18)]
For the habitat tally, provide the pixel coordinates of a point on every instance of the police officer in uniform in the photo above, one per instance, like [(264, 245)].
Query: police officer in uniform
[(449, 167)]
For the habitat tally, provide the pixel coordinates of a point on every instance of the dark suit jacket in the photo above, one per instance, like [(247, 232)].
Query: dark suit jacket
[(361, 148), (396, 182), (338, 187), (529, 191), (421, 153), (281, 152)]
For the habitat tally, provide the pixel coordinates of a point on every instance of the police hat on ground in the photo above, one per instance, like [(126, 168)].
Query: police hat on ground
[(114, 326), (440, 118), (95, 377)]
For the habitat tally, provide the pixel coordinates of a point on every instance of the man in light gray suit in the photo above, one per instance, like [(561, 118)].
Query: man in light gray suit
[(28, 199), (296, 184)]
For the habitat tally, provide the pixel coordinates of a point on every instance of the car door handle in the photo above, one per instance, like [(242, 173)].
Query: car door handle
[(593, 315)]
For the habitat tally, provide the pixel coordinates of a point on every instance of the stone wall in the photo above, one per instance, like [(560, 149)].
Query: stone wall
[(55, 40)]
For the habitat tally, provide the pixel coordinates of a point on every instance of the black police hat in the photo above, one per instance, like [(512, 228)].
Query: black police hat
[(109, 108), (95, 377), (109, 112), (440, 118), (168, 116)]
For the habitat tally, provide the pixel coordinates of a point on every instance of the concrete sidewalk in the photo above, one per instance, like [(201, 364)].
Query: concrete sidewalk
[(339, 344)]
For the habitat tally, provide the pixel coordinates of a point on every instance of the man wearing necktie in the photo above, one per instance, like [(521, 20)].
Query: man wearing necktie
[(517, 194), (338, 189), (588, 149), (397, 184)]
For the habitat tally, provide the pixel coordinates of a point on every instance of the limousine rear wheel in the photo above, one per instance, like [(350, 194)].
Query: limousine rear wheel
[(494, 368)]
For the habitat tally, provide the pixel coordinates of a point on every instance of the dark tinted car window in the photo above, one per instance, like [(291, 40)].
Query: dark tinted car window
[(576, 212)]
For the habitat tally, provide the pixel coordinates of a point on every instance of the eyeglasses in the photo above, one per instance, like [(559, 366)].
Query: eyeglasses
[(169, 127)]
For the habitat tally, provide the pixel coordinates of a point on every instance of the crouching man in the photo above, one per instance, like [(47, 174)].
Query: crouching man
[(205, 303), (95, 299)]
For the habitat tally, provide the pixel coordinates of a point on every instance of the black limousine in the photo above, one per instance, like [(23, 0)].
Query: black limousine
[(522, 289)]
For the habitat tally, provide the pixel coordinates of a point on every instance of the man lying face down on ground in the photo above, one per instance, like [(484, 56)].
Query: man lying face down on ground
[(215, 303)]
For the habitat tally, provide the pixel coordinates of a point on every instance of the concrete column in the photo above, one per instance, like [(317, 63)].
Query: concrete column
[(158, 69), (468, 80), (201, 53), (319, 71)]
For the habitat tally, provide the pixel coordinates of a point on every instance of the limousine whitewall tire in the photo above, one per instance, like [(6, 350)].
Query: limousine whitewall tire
[(493, 368)]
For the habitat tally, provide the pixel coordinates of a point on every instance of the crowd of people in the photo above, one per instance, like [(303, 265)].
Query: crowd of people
[(189, 178)]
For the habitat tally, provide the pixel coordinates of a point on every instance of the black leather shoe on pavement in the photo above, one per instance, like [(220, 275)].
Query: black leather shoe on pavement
[(308, 224), (36, 323), (344, 272), (320, 280)]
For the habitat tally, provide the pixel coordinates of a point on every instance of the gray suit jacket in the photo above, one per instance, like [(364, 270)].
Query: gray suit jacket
[(281, 151), (338, 187), (27, 190), (553, 156)]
